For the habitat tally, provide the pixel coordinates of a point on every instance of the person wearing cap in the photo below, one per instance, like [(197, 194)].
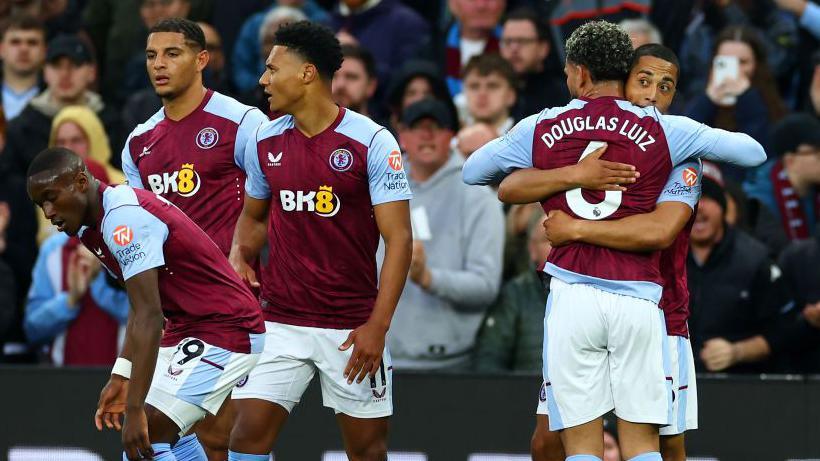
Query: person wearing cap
[(69, 72), (737, 296), (455, 272), (788, 183), (417, 79)]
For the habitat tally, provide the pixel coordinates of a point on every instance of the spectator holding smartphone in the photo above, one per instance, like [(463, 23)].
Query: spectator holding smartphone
[(741, 94)]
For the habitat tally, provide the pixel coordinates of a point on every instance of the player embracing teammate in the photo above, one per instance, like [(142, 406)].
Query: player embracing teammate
[(605, 344)]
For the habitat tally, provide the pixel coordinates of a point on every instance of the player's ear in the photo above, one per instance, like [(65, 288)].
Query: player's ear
[(309, 72), (202, 59)]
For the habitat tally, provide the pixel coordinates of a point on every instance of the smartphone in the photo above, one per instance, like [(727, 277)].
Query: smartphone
[(726, 67)]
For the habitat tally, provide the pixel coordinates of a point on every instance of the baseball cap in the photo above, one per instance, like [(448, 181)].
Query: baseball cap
[(69, 46), (793, 130), (428, 108)]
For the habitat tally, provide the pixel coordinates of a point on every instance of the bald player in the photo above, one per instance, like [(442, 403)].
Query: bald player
[(168, 376)]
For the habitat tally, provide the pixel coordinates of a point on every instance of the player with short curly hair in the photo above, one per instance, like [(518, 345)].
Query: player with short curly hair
[(605, 343)]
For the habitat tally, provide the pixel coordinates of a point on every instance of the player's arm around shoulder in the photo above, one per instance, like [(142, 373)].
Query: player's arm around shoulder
[(499, 157), (688, 139)]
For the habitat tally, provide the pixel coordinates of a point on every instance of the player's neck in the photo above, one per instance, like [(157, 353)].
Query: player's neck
[(604, 89), (93, 215), (179, 107), (314, 117)]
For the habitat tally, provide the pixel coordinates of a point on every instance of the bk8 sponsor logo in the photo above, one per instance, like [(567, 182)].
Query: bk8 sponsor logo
[(184, 182), (322, 202)]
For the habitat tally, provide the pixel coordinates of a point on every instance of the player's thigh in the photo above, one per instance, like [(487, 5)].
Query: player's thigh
[(586, 438), (576, 373), (193, 379), (284, 368), (545, 444), (364, 438), (214, 431), (257, 425), (673, 447), (640, 371), (371, 398)]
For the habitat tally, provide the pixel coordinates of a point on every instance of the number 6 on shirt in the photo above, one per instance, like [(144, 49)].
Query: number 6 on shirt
[(593, 211)]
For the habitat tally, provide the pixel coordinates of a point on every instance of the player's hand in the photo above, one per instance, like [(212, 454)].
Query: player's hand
[(812, 314), (595, 174), (243, 269), (135, 440), (368, 345), (718, 354), (560, 228), (111, 406)]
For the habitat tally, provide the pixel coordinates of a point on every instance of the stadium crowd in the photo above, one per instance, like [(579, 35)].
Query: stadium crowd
[(445, 77)]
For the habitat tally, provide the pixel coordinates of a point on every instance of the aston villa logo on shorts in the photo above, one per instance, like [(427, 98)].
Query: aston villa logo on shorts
[(242, 381), (341, 160), (123, 235), (690, 176), (207, 138)]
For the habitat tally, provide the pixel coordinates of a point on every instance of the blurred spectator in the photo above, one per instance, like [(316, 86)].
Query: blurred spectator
[(525, 45), (23, 52), (490, 91), (808, 14), (78, 129), (748, 103), (391, 31), (245, 64), (512, 333), (355, 82), (8, 285), (753, 217), (69, 72), (454, 274), (215, 75), (59, 16), (801, 272), (788, 182), (414, 81), (475, 30), (72, 305), (641, 32), (229, 17), (814, 89), (776, 37), (736, 292)]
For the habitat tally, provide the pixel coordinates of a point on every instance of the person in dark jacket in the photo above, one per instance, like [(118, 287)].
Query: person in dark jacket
[(512, 333), (525, 45), (391, 31), (737, 295)]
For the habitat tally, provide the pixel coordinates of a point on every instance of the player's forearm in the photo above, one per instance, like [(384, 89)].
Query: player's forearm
[(144, 335), (633, 233), (249, 238), (533, 185), (751, 350), (397, 255)]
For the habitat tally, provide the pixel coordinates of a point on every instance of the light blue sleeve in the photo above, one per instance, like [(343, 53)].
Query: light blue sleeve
[(385, 170), (678, 188), (499, 157), (132, 174), (810, 19), (135, 238), (256, 185), (247, 130), (690, 139), (47, 311), (110, 299)]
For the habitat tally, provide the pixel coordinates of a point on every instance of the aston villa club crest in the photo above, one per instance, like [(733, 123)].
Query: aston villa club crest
[(341, 160), (207, 138)]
